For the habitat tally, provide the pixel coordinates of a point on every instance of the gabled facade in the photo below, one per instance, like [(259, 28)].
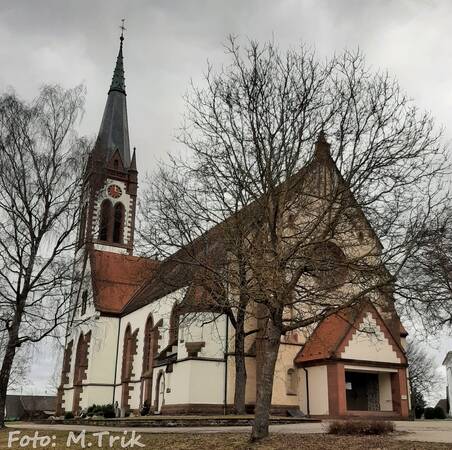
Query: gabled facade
[(135, 351)]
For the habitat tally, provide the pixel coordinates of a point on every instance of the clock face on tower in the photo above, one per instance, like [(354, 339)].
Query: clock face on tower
[(114, 191)]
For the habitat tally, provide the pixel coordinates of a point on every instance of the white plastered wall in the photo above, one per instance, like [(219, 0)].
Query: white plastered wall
[(161, 309), (201, 381), (194, 381), (370, 344), (318, 390), (384, 381)]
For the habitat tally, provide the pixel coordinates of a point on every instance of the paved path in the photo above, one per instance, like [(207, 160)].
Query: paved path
[(424, 430)]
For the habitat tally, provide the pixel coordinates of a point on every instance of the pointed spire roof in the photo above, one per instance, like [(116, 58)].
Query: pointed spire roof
[(114, 130), (118, 81), (133, 164)]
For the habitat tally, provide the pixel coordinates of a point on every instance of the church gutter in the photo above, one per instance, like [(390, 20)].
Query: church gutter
[(307, 391), (226, 367), (116, 362)]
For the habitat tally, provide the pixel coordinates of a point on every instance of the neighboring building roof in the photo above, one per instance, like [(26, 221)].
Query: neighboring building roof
[(442, 403), (447, 359), (116, 277), (18, 405), (332, 333)]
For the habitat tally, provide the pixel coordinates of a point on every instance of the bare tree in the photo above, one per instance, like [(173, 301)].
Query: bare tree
[(424, 379), (21, 365), (311, 233), (41, 163), (425, 287)]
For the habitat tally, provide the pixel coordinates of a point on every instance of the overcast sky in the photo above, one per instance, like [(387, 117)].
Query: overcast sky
[(168, 42)]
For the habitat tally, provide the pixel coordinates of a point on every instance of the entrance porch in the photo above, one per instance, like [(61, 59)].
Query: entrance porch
[(356, 390)]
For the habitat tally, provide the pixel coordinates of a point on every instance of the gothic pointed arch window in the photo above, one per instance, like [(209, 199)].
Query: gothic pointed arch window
[(149, 346), (174, 325), (106, 209), (118, 225)]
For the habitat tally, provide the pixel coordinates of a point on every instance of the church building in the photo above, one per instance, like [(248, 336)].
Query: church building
[(132, 348)]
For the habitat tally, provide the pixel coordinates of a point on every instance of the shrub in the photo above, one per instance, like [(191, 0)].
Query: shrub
[(145, 408), (106, 411), (109, 411), (357, 427), (429, 413), (418, 411), (439, 413), (68, 415)]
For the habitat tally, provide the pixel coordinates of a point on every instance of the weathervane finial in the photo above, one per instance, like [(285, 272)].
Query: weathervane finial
[(122, 28)]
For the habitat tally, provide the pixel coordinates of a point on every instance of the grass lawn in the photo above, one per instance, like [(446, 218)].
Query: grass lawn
[(223, 441)]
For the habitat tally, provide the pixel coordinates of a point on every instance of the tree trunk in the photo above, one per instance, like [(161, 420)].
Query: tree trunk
[(270, 348), (5, 371), (240, 367)]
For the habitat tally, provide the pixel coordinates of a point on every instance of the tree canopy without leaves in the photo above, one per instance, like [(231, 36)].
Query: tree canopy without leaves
[(41, 162), (424, 379), (305, 233)]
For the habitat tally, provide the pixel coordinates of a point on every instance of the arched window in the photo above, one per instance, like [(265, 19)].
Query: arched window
[(118, 226), (127, 355), (174, 325), (105, 220), (149, 346), (84, 302), (291, 382)]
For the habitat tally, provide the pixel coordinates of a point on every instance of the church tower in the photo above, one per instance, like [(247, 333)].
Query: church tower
[(110, 185)]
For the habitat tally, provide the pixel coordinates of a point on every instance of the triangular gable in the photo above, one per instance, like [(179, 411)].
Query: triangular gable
[(116, 156), (342, 336), (370, 339)]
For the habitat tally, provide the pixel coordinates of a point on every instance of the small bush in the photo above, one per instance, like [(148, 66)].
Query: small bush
[(439, 413), (429, 413), (418, 411), (145, 408), (68, 415), (107, 411), (360, 427)]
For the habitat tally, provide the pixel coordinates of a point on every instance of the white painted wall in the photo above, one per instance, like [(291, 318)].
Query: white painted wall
[(448, 363), (370, 344), (318, 390), (201, 327), (384, 381)]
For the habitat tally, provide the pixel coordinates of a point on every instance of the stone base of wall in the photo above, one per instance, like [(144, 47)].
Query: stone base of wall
[(204, 409)]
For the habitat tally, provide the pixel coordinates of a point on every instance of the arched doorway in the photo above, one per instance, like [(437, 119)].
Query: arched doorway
[(160, 391)]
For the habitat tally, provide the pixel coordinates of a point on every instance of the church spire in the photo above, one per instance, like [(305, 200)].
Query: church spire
[(114, 130), (118, 81)]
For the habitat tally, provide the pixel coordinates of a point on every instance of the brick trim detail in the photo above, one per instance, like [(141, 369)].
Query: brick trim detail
[(383, 327), (80, 369), (129, 351)]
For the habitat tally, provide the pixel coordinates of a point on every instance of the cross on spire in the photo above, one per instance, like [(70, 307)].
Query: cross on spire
[(122, 28)]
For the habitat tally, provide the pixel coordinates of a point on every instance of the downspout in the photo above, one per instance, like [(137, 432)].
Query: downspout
[(116, 362), (307, 391), (226, 367)]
